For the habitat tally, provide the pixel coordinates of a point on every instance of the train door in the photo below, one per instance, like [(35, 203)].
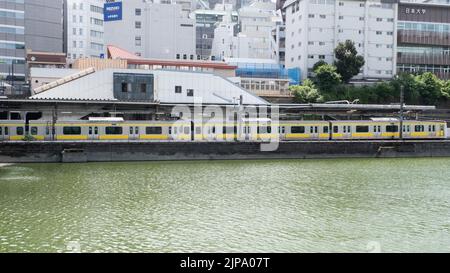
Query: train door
[(93, 133), (347, 129), (1, 133), (406, 130), (247, 131), (377, 131), (134, 132), (314, 132), (211, 132), (282, 132), (432, 130)]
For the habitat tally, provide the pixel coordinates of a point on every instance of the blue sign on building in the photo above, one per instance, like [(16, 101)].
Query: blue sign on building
[(113, 11)]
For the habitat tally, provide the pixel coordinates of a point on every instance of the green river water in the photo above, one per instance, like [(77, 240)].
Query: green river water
[(354, 205)]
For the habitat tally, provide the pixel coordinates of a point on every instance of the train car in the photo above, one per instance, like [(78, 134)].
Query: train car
[(41, 130), (12, 130), (304, 130), (387, 129)]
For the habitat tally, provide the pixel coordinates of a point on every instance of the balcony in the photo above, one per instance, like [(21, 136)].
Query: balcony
[(423, 37), (425, 59)]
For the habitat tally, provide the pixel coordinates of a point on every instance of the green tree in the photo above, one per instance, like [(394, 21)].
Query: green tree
[(348, 63), (327, 78), (319, 64), (445, 91), (429, 88), (306, 93)]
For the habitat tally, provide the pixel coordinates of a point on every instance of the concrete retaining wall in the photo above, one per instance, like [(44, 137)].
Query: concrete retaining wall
[(22, 152)]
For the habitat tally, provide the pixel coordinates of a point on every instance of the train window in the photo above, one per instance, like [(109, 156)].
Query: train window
[(170, 130), (114, 130), (214, 129), (349, 129), (19, 131), (362, 129), (265, 130), (72, 130), (326, 130), (90, 130), (345, 129), (175, 130), (47, 130), (1, 131), (187, 130), (311, 130), (34, 131), (198, 130), (335, 129), (419, 128), (96, 130), (131, 130), (283, 130), (298, 130), (429, 128), (136, 130), (408, 128), (316, 129), (434, 128), (15, 116), (6, 131), (392, 128), (230, 130), (375, 129), (153, 130)]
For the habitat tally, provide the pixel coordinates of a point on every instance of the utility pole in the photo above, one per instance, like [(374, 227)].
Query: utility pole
[(402, 108)]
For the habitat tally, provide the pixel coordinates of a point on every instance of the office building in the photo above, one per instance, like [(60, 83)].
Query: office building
[(27, 25), (84, 29), (150, 29), (314, 28), (424, 38), (206, 22)]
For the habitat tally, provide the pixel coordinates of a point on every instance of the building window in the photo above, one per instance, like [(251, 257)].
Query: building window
[(190, 92), (143, 87), (390, 33), (178, 89), (361, 18), (321, 43), (126, 87), (323, 16), (138, 24), (138, 41), (341, 4), (311, 16), (310, 43), (138, 12), (341, 17), (379, 33), (379, 19), (322, 57)]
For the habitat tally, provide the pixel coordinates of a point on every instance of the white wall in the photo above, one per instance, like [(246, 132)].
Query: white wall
[(164, 31), (80, 22)]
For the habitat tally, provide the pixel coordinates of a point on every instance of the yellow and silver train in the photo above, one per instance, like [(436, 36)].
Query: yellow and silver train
[(116, 129)]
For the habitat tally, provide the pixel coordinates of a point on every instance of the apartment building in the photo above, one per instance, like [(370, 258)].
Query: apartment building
[(315, 27)]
